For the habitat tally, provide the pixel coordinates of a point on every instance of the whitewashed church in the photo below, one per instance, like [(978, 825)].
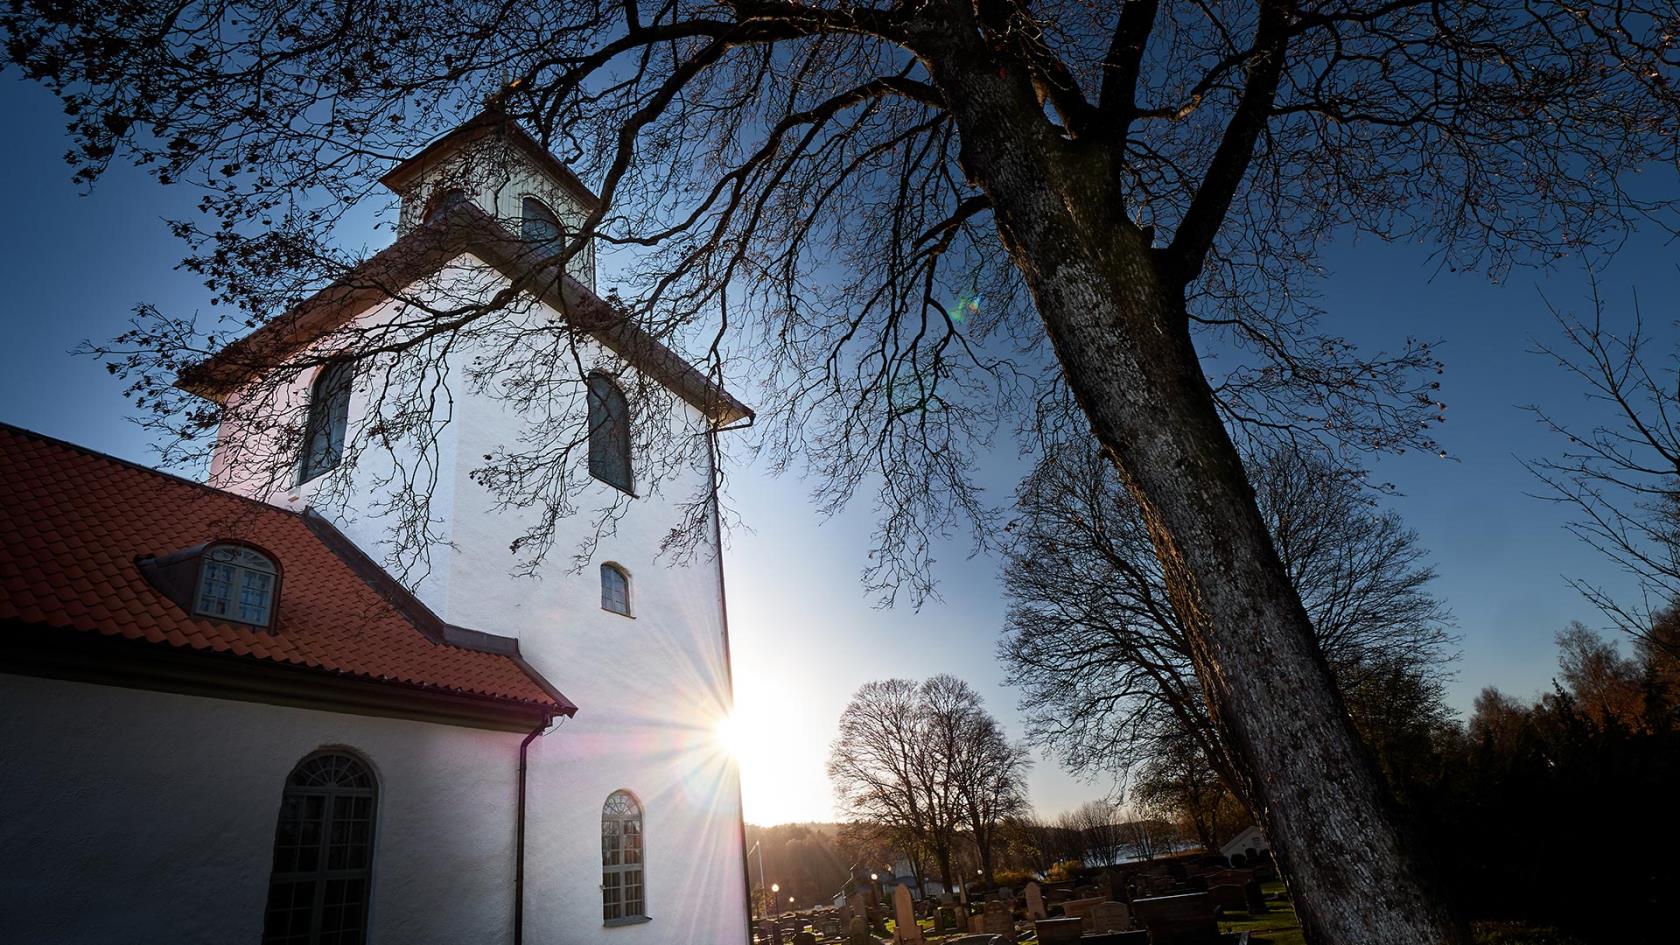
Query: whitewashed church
[(223, 721)]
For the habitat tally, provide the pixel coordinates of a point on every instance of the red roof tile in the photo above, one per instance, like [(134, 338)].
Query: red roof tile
[(73, 522)]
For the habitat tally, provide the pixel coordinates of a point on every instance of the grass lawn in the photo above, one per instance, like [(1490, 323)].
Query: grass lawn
[(1280, 927), (1277, 925)]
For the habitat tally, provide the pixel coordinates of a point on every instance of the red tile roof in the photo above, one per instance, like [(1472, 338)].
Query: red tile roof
[(72, 523)]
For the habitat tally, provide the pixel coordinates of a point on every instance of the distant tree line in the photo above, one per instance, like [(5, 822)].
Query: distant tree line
[(1561, 809)]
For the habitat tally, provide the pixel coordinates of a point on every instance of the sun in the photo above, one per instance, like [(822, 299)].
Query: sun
[(732, 737)]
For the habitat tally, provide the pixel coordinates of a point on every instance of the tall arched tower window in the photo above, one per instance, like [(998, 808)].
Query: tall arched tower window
[(537, 223), (623, 893), (323, 853), (329, 413), (615, 589), (609, 434)]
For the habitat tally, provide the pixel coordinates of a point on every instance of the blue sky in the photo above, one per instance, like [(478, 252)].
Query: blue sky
[(804, 633)]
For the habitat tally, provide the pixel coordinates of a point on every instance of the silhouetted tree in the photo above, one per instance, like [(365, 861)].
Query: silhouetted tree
[(927, 760), (935, 219), (1106, 664), (1621, 474)]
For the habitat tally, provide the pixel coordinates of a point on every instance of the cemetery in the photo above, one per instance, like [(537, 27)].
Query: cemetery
[(1192, 899)]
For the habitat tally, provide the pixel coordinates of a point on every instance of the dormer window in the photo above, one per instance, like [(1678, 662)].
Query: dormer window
[(537, 223), (236, 583)]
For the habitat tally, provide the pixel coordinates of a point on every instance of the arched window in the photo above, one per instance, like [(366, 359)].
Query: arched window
[(615, 589), (537, 223), (609, 434), (323, 851), (443, 200), (623, 896), (236, 583), (329, 412)]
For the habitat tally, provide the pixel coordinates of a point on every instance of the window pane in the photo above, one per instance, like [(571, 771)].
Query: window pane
[(537, 223), (329, 413), (609, 433), (322, 851), (236, 583), (615, 590)]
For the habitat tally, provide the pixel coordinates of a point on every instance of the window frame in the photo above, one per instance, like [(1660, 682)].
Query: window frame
[(624, 573), (526, 201), (442, 199), (204, 558), (621, 869), (604, 437), (323, 875), (316, 413)]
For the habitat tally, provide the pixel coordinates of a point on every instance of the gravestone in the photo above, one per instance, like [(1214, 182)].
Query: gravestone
[(1079, 908), (1110, 917), (1185, 919), (859, 934), (1035, 902), (1058, 931), (1137, 937), (1228, 896), (904, 911), (998, 919)]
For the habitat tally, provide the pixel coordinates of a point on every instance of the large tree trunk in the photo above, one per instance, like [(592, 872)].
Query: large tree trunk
[(1119, 328)]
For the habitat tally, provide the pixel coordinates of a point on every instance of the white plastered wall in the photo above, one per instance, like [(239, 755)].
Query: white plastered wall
[(156, 826)]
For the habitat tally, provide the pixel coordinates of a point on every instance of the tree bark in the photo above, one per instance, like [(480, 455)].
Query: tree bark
[(1118, 325)]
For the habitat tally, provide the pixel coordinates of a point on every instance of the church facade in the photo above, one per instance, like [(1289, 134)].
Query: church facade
[(226, 720)]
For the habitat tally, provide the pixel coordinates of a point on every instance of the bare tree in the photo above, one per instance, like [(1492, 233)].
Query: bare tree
[(917, 222), (925, 761), (885, 769), (1622, 475), (1106, 664), (987, 770), (1179, 783), (1100, 830)]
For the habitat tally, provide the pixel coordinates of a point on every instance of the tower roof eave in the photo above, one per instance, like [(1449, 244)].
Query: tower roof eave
[(460, 229), (488, 122)]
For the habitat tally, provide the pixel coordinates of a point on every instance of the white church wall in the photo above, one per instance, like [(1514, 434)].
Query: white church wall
[(156, 823), (651, 687)]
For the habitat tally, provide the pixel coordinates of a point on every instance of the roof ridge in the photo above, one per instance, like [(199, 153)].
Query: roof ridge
[(139, 467)]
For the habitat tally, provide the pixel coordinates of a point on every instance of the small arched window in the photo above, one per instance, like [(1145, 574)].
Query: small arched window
[(323, 854), (609, 434), (236, 583), (537, 223), (615, 589), (329, 413), (623, 893), (443, 200)]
